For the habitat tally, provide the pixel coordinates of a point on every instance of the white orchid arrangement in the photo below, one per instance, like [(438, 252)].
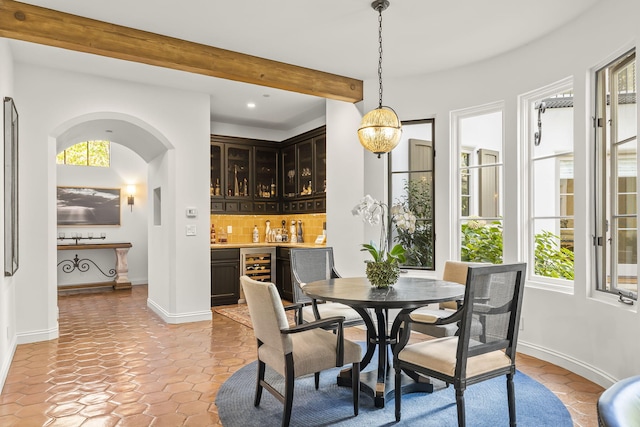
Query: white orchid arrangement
[(403, 218), (374, 212)]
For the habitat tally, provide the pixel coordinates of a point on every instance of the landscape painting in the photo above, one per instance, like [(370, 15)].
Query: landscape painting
[(88, 206)]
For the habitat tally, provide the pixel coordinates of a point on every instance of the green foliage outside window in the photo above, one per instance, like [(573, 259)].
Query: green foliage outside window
[(89, 153), (412, 216), (482, 242)]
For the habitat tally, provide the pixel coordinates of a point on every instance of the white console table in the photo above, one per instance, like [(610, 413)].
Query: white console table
[(119, 273)]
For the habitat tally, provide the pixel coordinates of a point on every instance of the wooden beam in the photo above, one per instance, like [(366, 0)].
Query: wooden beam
[(35, 24)]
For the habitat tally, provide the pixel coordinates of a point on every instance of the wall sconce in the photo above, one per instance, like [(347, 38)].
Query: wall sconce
[(131, 191)]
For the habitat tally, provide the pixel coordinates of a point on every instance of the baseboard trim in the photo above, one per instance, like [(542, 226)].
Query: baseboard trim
[(4, 369), (176, 318), (570, 363), (37, 336)]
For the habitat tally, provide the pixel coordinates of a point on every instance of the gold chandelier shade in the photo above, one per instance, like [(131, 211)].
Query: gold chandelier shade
[(380, 130)]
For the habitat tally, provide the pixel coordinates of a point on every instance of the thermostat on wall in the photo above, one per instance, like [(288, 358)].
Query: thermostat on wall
[(192, 212)]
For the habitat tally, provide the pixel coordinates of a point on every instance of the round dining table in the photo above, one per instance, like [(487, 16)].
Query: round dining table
[(407, 294)]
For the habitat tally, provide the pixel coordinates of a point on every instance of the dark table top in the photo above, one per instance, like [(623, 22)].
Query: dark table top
[(408, 292)]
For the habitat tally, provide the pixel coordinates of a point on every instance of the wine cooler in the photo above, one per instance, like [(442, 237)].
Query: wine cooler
[(259, 264)]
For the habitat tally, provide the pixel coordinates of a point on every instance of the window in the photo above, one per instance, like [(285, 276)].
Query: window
[(615, 178), (88, 153), (411, 193), (548, 114), (479, 139)]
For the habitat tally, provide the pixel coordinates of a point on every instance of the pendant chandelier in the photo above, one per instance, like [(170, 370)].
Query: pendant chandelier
[(380, 129)]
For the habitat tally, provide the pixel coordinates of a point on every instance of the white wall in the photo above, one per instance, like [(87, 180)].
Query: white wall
[(589, 336), (126, 167), (47, 99), (7, 285)]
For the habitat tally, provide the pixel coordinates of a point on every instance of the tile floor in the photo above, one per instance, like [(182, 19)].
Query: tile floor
[(117, 364)]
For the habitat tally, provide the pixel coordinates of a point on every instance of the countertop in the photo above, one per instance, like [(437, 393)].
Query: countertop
[(266, 245)]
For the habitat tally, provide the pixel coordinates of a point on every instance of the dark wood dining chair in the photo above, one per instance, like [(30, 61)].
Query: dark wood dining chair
[(425, 317), (309, 265), (494, 295), (295, 351)]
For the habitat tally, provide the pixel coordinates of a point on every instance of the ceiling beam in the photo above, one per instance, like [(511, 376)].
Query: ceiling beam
[(36, 24)]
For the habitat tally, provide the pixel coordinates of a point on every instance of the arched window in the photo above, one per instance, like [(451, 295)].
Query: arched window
[(88, 153)]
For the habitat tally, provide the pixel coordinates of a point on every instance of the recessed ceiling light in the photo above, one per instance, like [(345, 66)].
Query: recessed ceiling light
[(108, 131), (266, 95), (251, 105)]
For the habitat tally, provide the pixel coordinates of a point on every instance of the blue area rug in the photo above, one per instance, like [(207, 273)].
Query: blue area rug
[(486, 404)]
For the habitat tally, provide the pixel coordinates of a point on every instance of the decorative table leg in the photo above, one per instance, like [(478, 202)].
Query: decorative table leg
[(122, 269)]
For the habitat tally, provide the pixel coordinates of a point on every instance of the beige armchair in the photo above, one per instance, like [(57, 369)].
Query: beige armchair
[(494, 295), (454, 271), (309, 265), (295, 351)]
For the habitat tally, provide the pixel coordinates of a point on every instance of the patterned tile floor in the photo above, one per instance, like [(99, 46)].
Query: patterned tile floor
[(117, 364)]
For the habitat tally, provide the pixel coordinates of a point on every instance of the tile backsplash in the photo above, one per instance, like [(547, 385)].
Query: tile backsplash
[(242, 225)]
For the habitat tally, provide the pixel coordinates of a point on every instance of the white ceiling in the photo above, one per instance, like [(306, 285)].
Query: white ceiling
[(336, 36)]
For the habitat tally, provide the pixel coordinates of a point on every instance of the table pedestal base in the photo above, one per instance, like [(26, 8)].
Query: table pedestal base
[(382, 392)]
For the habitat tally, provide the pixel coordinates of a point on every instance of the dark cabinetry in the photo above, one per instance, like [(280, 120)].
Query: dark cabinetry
[(225, 276), (283, 276), (304, 173), (257, 176), (244, 174)]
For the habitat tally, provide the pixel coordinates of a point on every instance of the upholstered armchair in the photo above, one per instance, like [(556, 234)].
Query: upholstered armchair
[(494, 294), (295, 351), (309, 265), (425, 317)]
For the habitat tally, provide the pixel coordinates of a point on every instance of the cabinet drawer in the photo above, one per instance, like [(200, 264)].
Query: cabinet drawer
[(260, 207), (246, 207), (231, 207), (283, 253), (286, 207), (231, 254), (272, 207), (319, 205), (217, 206), (308, 205)]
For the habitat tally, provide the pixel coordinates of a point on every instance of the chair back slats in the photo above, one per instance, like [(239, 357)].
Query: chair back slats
[(493, 296), (309, 265), (267, 313)]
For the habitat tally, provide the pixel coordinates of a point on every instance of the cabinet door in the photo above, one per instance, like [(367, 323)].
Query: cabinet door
[(289, 173), (305, 168), (238, 167), (320, 165), (265, 168), (284, 274), (225, 282), (216, 183)]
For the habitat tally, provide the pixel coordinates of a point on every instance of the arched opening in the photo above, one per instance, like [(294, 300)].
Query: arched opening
[(134, 145)]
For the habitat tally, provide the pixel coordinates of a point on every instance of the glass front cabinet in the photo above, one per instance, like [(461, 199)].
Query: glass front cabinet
[(257, 176)]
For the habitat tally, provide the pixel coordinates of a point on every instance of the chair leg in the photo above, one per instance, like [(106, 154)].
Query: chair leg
[(261, 368), (398, 393), (355, 387), (460, 406), (316, 376), (289, 382), (512, 400)]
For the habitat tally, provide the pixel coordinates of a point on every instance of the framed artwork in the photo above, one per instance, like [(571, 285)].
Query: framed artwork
[(88, 206), (10, 187)]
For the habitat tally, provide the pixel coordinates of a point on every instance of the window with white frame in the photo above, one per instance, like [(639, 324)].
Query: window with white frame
[(615, 178), (479, 137), (549, 149)]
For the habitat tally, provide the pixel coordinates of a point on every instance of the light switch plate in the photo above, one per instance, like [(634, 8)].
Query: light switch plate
[(192, 212), (229, 229), (191, 230)]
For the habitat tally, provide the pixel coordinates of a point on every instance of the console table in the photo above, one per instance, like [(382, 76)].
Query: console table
[(119, 273)]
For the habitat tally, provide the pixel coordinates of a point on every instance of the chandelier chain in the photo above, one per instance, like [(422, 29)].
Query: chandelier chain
[(380, 56)]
